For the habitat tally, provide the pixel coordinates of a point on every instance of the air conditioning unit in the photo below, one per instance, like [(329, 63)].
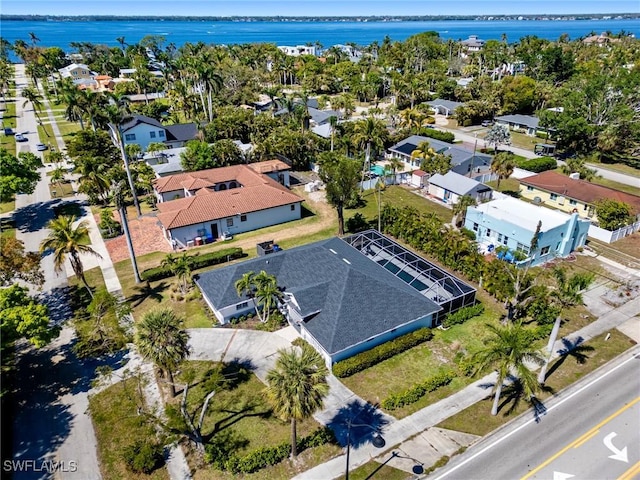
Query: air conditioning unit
[(537, 200)]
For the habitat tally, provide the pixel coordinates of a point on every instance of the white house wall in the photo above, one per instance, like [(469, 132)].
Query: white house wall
[(254, 221)]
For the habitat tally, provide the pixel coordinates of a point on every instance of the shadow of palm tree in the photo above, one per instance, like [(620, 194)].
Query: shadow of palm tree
[(146, 291), (365, 419), (575, 349), (513, 395)]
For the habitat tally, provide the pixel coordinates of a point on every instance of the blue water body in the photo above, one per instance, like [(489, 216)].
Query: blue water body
[(62, 33), (377, 169)]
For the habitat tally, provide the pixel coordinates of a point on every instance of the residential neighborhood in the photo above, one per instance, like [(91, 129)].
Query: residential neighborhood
[(314, 262)]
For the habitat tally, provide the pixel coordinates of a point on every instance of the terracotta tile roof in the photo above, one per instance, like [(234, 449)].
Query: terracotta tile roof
[(258, 192), (579, 189), (269, 166), (419, 173)]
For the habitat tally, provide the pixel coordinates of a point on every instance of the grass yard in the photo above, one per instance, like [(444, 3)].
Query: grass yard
[(622, 187), (617, 167), (399, 197), (62, 190), (9, 206), (241, 416), (9, 120), (7, 228), (375, 470), (117, 424), (624, 251), (563, 372), (509, 186)]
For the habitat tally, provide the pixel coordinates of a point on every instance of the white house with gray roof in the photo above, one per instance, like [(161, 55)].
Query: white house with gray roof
[(444, 107), (450, 187), (520, 123), (142, 130), (462, 160), (344, 296)]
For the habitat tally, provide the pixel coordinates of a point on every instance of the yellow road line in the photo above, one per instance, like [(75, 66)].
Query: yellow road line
[(629, 474), (581, 439)]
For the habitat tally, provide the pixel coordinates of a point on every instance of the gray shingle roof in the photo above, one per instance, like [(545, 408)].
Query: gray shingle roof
[(457, 183), (457, 153), (137, 120), (528, 120), (355, 300), (181, 132)]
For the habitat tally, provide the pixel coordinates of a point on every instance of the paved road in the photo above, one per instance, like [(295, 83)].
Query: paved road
[(573, 438)]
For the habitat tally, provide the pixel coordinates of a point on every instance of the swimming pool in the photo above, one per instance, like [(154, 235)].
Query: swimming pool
[(377, 169)]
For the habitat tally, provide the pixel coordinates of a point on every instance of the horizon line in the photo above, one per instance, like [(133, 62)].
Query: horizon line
[(322, 16)]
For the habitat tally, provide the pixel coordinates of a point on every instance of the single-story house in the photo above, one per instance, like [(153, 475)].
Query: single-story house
[(142, 97), (297, 50), (512, 223), (444, 107), (130, 72), (165, 162), (462, 160), (142, 130), (344, 296), (235, 199), (572, 194), (451, 186), (521, 123)]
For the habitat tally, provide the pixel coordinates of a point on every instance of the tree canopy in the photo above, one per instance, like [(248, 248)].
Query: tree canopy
[(17, 174), (21, 316)]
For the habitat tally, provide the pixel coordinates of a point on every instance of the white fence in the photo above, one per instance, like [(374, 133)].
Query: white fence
[(608, 236), (388, 180)]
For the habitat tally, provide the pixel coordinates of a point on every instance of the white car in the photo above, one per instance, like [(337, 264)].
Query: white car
[(226, 236), (41, 147)]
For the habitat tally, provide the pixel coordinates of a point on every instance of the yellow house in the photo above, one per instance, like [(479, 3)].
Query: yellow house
[(572, 195)]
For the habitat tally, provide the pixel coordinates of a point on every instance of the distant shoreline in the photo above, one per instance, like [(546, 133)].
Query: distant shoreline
[(381, 18)]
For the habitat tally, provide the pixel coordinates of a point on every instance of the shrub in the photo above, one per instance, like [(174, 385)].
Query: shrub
[(437, 134), (143, 456), (463, 315), (357, 223), (195, 262), (364, 360), (109, 228), (418, 391), (538, 165)]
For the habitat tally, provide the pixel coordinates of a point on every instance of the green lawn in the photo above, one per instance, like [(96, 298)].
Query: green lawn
[(117, 425), (62, 190), (9, 120), (617, 167), (7, 228), (624, 251), (240, 414), (376, 471), (562, 373), (617, 186), (9, 206)]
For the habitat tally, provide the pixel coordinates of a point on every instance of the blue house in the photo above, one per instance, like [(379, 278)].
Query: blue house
[(511, 223), (345, 296)]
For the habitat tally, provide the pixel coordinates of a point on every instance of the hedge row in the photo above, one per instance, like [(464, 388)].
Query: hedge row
[(195, 262), (367, 359), (437, 134), (418, 391), (537, 165), (463, 315), (266, 456)]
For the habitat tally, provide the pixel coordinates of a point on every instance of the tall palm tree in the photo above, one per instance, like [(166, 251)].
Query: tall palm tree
[(245, 286), (267, 293), (370, 133), (460, 209), (32, 96), (333, 123), (508, 350), (503, 166), (297, 387), (161, 339), (181, 268), (395, 164), (66, 242)]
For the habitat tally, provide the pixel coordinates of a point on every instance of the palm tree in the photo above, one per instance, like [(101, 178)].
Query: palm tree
[(245, 286), (508, 350), (503, 166), (297, 387), (181, 268), (395, 164), (32, 96), (370, 133), (161, 339), (66, 242), (57, 176), (267, 293), (460, 209), (333, 123)]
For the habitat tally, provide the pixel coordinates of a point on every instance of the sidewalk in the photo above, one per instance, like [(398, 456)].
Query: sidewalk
[(399, 431)]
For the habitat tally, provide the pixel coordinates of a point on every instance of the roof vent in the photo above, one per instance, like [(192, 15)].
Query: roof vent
[(333, 251), (346, 261)]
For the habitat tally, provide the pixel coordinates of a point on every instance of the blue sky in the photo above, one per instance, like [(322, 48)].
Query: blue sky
[(315, 7)]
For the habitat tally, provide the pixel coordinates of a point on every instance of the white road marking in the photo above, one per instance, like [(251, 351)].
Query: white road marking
[(617, 454)]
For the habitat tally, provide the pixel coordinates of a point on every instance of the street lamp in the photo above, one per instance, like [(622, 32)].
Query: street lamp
[(377, 441), (116, 137)]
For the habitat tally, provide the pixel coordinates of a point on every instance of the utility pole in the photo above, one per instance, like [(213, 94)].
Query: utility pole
[(475, 146)]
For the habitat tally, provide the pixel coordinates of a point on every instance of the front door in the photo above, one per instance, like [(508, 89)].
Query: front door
[(214, 230)]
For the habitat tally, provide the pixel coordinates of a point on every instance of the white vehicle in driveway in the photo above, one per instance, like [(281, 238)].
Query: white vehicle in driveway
[(41, 147), (226, 236)]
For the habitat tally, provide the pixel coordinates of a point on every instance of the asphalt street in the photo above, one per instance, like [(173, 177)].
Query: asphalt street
[(591, 431)]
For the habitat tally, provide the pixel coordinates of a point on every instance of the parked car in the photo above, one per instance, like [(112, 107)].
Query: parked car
[(21, 138), (226, 236), (9, 131), (486, 123), (41, 147)]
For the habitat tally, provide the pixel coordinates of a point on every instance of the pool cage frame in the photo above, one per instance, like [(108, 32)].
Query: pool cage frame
[(436, 284)]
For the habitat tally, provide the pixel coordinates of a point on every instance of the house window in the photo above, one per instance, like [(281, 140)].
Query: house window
[(573, 202), (585, 207), (229, 222), (242, 305), (152, 134), (243, 218), (161, 133), (544, 251), (505, 240), (554, 196), (488, 233), (529, 188), (475, 227), (129, 137), (500, 237), (293, 207), (522, 248)]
